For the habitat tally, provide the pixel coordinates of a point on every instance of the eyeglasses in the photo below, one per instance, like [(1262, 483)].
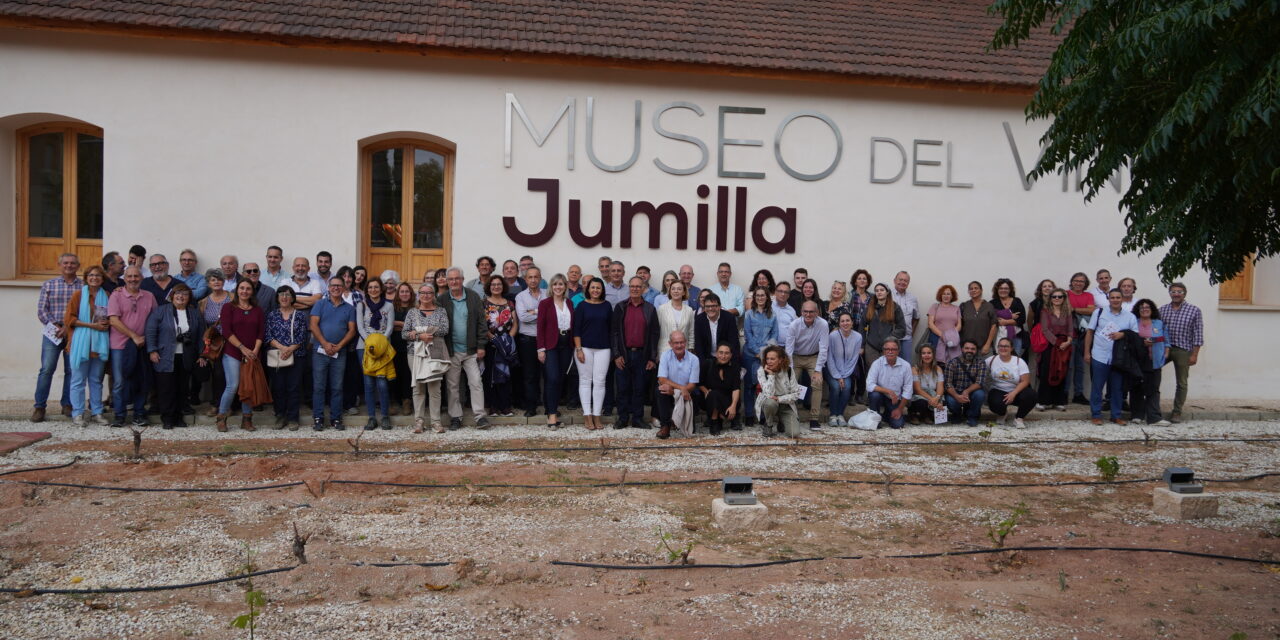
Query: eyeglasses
[(154, 265), (252, 271)]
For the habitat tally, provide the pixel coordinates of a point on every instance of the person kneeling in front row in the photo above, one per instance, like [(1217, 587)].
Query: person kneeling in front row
[(1010, 384), (966, 376), (678, 373), (778, 392), (890, 382)]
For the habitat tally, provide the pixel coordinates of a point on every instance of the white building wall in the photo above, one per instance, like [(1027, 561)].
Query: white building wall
[(226, 149)]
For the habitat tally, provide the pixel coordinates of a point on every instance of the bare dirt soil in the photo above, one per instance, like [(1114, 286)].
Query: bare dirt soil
[(501, 541)]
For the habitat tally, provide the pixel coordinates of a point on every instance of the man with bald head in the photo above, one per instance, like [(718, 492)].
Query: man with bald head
[(807, 348), (678, 376)]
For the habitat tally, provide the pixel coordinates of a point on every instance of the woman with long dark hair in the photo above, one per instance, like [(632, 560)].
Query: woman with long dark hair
[(244, 326)]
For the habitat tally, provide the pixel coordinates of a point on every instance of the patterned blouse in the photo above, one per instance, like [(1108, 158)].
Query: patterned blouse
[(213, 311), (278, 328), (858, 306), (501, 317), (833, 317)]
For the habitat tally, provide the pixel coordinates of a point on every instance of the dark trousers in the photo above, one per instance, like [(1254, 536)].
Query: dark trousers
[(1024, 402), (172, 388), (558, 360), (400, 388), (286, 386), (1144, 397), (352, 372), (633, 380), (665, 404), (1050, 395), (920, 409), (883, 405), (610, 399), (497, 395), (530, 373)]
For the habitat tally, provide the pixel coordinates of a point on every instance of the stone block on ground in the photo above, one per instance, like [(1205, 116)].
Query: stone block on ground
[(740, 517), (14, 440), (1183, 506)]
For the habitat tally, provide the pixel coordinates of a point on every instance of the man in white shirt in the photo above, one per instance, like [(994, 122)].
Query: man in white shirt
[(731, 295), (910, 312), (783, 311), (890, 384), (807, 348), (307, 290), (527, 338), (1104, 287)]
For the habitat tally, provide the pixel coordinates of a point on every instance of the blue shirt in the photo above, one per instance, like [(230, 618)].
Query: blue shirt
[(731, 297), (333, 319), (458, 323), (679, 371), (843, 353), (1104, 323), (199, 286), (759, 330)]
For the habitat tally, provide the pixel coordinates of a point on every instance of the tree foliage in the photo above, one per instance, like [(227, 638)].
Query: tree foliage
[(1186, 93)]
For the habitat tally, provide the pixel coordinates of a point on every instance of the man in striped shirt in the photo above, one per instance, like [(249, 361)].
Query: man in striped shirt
[(51, 305)]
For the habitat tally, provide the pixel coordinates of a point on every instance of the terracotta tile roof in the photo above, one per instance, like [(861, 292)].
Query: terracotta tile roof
[(894, 40)]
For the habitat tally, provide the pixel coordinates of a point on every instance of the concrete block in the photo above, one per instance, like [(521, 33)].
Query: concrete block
[(740, 517), (1183, 506)]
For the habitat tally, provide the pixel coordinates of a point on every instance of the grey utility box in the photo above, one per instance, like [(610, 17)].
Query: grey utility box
[(738, 490), (1182, 480)]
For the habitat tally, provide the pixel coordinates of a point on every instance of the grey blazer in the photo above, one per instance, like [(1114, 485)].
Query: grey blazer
[(161, 334)]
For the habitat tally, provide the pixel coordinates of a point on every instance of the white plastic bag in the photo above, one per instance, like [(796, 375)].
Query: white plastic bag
[(867, 420)]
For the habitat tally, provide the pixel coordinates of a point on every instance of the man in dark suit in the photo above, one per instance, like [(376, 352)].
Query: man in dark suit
[(711, 328), (634, 346)]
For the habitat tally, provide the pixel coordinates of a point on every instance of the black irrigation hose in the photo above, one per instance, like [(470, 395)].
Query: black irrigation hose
[(909, 556), (57, 466), (205, 583), (738, 445), (633, 483)]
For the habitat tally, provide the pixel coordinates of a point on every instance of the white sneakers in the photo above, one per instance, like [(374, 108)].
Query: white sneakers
[(1162, 423), (1039, 407), (1019, 424), (1060, 407), (836, 421)]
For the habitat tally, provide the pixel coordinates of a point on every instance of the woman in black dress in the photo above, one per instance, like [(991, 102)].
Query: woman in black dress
[(721, 386)]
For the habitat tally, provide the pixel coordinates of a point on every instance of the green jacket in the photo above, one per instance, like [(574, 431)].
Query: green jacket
[(477, 323)]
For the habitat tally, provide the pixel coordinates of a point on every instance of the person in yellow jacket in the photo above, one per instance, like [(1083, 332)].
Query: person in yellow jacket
[(379, 368)]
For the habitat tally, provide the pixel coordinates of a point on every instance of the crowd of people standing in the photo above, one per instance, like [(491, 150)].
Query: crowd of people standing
[(720, 355)]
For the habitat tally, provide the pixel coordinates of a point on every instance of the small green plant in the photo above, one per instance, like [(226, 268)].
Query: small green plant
[(1108, 467), (1239, 635), (984, 433), (668, 544), (1003, 529), (253, 599)]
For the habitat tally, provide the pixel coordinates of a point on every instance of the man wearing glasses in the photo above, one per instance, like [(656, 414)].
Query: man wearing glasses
[(159, 282), (188, 274), (265, 295), (127, 310)]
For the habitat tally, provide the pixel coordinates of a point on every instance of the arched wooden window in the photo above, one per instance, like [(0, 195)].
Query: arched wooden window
[(406, 204), (59, 187)]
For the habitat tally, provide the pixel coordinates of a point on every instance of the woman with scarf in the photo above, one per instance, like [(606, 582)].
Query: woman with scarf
[(721, 383), (375, 315), (88, 345), (1057, 325)]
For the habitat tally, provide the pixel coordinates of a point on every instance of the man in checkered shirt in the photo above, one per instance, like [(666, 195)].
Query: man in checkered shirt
[(54, 295), (1184, 328)]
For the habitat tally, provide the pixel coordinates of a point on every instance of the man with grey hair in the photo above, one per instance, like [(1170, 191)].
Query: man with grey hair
[(159, 282), (127, 311), (230, 272), (678, 376), (55, 293), (468, 338), (910, 312)]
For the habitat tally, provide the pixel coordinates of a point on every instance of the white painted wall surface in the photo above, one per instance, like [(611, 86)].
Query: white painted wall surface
[(226, 149)]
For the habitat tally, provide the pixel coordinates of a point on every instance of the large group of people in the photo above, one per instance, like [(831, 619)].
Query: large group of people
[(720, 355)]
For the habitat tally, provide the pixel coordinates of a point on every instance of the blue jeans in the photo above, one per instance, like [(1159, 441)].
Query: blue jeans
[(1102, 373), (129, 369), (904, 349), (632, 382), (881, 404), (91, 373), (49, 356), (377, 393), (971, 411), (751, 366), (231, 371), (326, 382), (839, 397), (559, 359)]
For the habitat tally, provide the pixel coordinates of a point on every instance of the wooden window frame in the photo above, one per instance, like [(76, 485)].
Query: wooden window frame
[(410, 259), (88, 249), (1238, 290)]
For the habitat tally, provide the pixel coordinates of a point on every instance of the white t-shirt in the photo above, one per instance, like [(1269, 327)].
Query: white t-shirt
[(1005, 375), (311, 288), (183, 327)]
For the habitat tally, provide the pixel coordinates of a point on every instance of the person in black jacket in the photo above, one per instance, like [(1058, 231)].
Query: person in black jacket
[(705, 340), (634, 346), (721, 386)]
